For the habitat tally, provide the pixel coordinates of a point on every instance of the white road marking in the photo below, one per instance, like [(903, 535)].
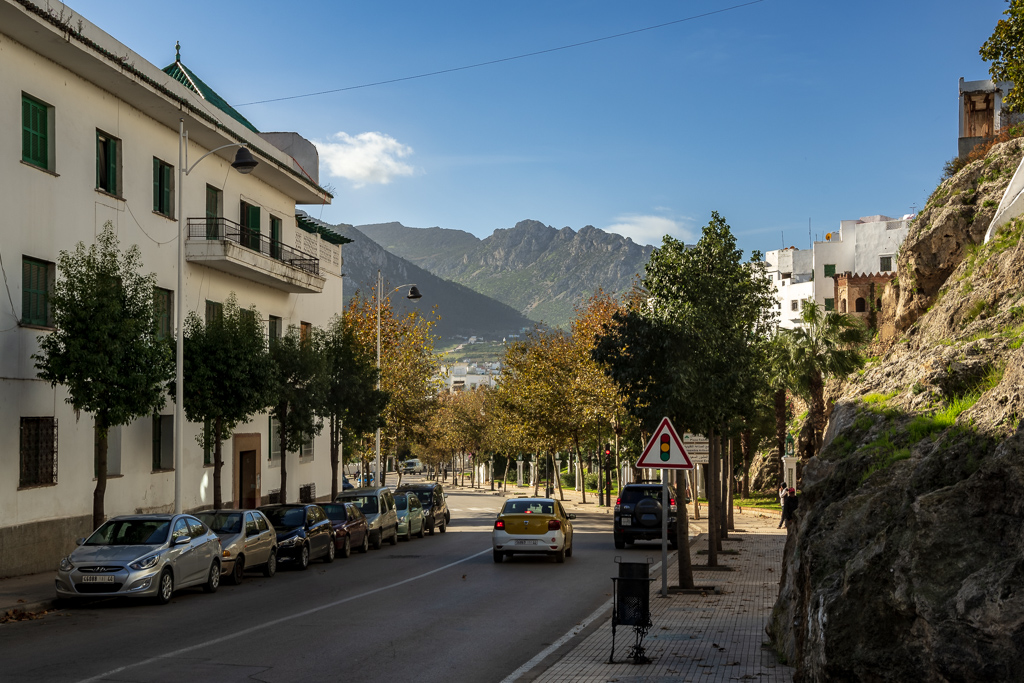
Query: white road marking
[(573, 632), (280, 620)]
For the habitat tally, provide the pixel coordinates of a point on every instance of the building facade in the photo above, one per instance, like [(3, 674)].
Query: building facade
[(92, 139)]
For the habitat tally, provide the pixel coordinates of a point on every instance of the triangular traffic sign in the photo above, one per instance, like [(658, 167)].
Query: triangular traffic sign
[(665, 450)]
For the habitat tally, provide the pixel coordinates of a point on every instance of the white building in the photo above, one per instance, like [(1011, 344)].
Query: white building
[(92, 137), (865, 246)]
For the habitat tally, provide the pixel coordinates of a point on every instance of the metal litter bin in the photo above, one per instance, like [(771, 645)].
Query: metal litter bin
[(631, 606)]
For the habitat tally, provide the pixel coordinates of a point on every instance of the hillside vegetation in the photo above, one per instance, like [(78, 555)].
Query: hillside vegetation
[(906, 561)]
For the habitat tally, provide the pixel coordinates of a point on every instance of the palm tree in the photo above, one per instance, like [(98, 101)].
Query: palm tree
[(828, 344)]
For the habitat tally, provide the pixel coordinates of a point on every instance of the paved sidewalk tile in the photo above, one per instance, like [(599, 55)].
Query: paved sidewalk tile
[(707, 637)]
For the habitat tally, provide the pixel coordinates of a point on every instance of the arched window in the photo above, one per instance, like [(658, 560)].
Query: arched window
[(842, 306), (878, 305), (861, 305)]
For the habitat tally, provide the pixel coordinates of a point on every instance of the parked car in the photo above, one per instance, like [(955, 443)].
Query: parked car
[(350, 527), (638, 513), (378, 506), (410, 515), (304, 533), (142, 556), (413, 466), (532, 526), (435, 507), (247, 540)]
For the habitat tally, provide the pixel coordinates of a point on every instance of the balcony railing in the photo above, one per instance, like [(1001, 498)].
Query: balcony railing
[(225, 229)]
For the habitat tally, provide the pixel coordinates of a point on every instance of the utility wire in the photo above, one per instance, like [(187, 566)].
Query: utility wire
[(505, 59)]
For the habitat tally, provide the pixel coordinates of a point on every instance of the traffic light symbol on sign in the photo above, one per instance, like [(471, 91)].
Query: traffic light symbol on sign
[(665, 455)]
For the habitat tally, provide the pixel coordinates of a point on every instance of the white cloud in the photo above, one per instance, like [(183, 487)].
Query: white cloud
[(366, 158), (650, 229)]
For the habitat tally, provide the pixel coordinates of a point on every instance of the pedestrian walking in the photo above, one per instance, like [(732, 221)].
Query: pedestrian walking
[(782, 502), (789, 505)]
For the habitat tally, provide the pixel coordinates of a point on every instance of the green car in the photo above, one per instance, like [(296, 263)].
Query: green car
[(410, 515)]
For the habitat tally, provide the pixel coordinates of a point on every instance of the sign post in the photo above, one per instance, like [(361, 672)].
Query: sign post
[(665, 451)]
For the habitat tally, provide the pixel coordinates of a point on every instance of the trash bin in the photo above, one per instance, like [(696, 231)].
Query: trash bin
[(632, 606)]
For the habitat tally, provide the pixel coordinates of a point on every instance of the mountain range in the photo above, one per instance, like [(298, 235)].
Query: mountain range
[(540, 271)]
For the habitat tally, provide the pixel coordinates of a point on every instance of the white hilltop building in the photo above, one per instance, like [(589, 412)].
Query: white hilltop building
[(862, 253), (92, 138)]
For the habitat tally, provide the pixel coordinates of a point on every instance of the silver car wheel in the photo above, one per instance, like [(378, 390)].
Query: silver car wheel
[(165, 587)]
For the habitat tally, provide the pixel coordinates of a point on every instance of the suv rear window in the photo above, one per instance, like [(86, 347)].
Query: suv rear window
[(634, 494)]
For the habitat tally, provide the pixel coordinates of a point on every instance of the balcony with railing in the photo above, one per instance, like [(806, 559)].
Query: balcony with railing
[(225, 245)]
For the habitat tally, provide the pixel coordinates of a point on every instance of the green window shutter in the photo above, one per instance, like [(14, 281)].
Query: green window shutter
[(34, 132), (830, 304), (156, 184), (830, 270), (166, 189), (34, 292), (100, 160), (112, 166), (254, 221)]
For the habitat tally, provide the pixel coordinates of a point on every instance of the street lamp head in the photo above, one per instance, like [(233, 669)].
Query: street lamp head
[(414, 293), (244, 161)]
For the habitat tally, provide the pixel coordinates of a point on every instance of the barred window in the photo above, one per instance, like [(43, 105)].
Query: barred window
[(38, 463)]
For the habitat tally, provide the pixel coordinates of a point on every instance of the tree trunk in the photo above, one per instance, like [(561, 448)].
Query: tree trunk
[(683, 534), (817, 412), (579, 466), (99, 442), (723, 483), (282, 496), (732, 484), (558, 482), (748, 456), (218, 464), (704, 474), (780, 431), (332, 425), (710, 486), (504, 480)]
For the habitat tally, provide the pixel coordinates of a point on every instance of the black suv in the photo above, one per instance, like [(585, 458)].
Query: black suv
[(638, 514), (435, 508)]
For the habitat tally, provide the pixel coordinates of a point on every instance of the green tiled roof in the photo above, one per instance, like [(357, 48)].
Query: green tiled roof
[(184, 75), (318, 227)]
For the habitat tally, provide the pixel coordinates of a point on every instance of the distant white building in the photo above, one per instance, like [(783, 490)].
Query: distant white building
[(863, 247)]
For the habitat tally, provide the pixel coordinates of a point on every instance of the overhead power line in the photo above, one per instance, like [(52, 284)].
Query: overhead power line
[(504, 59)]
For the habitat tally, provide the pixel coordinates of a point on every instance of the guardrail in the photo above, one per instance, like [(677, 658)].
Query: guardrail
[(225, 229)]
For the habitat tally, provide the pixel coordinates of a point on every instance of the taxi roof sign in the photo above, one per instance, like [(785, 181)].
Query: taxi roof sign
[(665, 450)]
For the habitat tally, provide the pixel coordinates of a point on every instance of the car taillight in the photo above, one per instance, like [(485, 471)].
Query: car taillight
[(500, 524), (554, 524), (618, 501)]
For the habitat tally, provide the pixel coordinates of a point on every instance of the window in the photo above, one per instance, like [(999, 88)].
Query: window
[(861, 305), (247, 315), (162, 186), (794, 305), (305, 332), (36, 121), (214, 311), (842, 306), (249, 219), (830, 304), (274, 445), (163, 305), (885, 264), (113, 454), (275, 237), (830, 270), (108, 163), (274, 329), (306, 450), (163, 443), (36, 282), (878, 305), (214, 212), (38, 452)]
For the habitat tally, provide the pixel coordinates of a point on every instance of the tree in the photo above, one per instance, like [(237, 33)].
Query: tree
[(227, 377), (299, 386), (826, 345), (1005, 49), (352, 401), (105, 348)]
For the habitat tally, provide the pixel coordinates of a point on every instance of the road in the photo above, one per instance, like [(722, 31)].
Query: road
[(432, 609)]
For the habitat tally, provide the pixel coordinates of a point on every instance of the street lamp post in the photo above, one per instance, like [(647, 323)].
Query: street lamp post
[(244, 163), (414, 293)]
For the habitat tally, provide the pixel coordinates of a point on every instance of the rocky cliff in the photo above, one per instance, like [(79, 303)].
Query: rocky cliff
[(906, 561)]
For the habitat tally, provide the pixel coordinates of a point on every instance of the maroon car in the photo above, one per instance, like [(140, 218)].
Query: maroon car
[(350, 528)]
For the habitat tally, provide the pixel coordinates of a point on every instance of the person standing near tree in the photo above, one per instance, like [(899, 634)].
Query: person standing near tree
[(789, 505), (782, 502)]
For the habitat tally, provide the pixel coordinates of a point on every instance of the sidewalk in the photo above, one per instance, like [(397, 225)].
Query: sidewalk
[(700, 637)]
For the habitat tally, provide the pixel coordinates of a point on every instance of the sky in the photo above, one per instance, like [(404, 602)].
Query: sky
[(784, 116)]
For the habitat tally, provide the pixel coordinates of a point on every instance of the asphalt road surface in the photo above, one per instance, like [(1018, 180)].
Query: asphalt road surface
[(432, 609)]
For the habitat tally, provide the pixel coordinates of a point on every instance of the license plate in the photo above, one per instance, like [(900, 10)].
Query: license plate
[(97, 579), (626, 521), (520, 541)]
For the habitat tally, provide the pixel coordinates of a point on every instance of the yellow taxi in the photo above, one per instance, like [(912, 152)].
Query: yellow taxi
[(532, 526)]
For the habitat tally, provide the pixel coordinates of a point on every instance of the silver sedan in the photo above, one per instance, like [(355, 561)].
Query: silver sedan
[(247, 540), (142, 556)]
